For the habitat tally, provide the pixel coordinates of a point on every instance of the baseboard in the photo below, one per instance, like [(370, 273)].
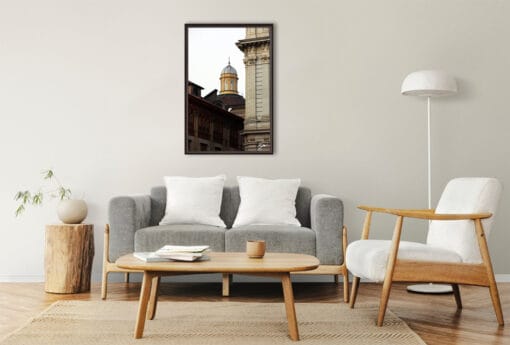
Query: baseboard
[(500, 278), (503, 278), (21, 278)]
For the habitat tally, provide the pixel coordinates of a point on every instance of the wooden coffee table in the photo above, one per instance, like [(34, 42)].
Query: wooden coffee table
[(278, 265)]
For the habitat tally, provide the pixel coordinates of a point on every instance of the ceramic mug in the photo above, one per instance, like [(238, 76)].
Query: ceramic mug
[(256, 248)]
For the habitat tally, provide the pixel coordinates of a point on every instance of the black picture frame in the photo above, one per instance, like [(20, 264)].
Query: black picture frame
[(249, 141)]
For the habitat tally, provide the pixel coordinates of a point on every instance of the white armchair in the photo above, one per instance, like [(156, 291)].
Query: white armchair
[(456, 251)]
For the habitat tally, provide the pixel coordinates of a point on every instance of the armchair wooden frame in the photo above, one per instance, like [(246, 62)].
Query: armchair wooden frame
[(428, 271), (334, 270)]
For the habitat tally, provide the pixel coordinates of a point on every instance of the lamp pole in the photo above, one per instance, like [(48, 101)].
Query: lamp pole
[(428, 155)]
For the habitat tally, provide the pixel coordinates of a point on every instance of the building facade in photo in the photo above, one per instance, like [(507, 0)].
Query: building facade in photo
[(256, 47), (215, 121)]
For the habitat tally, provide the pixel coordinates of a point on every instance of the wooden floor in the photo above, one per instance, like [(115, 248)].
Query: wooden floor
[(434, 318)]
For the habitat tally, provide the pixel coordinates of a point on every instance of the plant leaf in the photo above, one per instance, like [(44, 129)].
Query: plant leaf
[(48, 174), (63, 193), (37, 199), (18, 195), (26, 197), (22, 195), (20, 210)]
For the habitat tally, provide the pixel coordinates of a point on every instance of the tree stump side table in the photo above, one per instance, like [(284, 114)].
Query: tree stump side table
[(68, 257)]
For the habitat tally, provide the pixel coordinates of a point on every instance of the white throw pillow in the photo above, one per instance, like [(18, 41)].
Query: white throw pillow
[(267, 201), (193, 200)]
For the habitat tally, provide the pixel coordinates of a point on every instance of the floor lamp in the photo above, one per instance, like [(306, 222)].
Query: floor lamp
[(429, 84)]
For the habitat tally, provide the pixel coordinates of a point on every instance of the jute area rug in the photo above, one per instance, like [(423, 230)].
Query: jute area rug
[(210, 323)]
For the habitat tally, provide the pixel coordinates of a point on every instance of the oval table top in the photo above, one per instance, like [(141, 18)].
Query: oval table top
[(227, 263)]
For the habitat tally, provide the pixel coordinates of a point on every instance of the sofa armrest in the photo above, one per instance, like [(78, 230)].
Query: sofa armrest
[(327, 218), (126, 214)]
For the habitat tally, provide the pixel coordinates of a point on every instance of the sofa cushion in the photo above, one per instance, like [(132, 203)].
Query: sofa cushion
[(265, 201), (230, 204), (279, 238), (154, 237), (193, 200)]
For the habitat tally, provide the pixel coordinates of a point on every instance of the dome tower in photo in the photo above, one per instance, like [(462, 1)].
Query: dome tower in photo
[(228, 80)]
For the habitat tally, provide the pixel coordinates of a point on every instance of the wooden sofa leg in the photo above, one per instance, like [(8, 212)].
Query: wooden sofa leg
[(126, 277), (335, 278), (104, 283), (345, 272), (226, 285), (346, 286), (106, 252)]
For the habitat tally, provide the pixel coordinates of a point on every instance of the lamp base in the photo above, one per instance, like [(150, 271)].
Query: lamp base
[(430, 288)]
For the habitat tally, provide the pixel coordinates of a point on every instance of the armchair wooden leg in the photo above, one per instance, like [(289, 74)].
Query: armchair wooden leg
[(496, 303), (456, 293), (335, 278), (354, 291), (383, 304), (126, 277), (493, 287), (392, 259)]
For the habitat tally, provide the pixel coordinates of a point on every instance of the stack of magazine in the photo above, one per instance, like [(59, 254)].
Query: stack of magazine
[(174, 253)]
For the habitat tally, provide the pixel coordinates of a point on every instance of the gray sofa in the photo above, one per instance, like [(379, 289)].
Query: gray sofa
[(134, 226)]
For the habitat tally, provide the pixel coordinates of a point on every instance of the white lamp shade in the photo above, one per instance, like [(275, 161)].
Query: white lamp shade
[(429, 83)]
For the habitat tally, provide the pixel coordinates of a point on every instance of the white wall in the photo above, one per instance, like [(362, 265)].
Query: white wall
[(94, 89)]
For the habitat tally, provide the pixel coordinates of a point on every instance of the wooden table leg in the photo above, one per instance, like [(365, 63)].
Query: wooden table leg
[(142, 305), (288, 296), (225, 283), (153, 299)]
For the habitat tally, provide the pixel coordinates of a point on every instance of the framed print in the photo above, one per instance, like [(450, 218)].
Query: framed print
[(228, 88)]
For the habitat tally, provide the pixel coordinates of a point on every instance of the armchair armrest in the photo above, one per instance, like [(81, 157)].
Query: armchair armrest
[(426, 214), (126, 214), (327, 218)]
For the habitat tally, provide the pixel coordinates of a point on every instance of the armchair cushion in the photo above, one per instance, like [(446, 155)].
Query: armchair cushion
[(152, 238), (464, 195), (368, 258)]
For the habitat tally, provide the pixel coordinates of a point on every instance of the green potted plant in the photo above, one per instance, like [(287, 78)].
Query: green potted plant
[(69, 211)]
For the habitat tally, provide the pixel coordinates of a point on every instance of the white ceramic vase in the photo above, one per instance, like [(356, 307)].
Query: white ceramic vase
[(72, 211)]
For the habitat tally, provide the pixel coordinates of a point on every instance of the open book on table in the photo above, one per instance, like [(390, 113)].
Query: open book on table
[(174, 253), (171, 249)]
